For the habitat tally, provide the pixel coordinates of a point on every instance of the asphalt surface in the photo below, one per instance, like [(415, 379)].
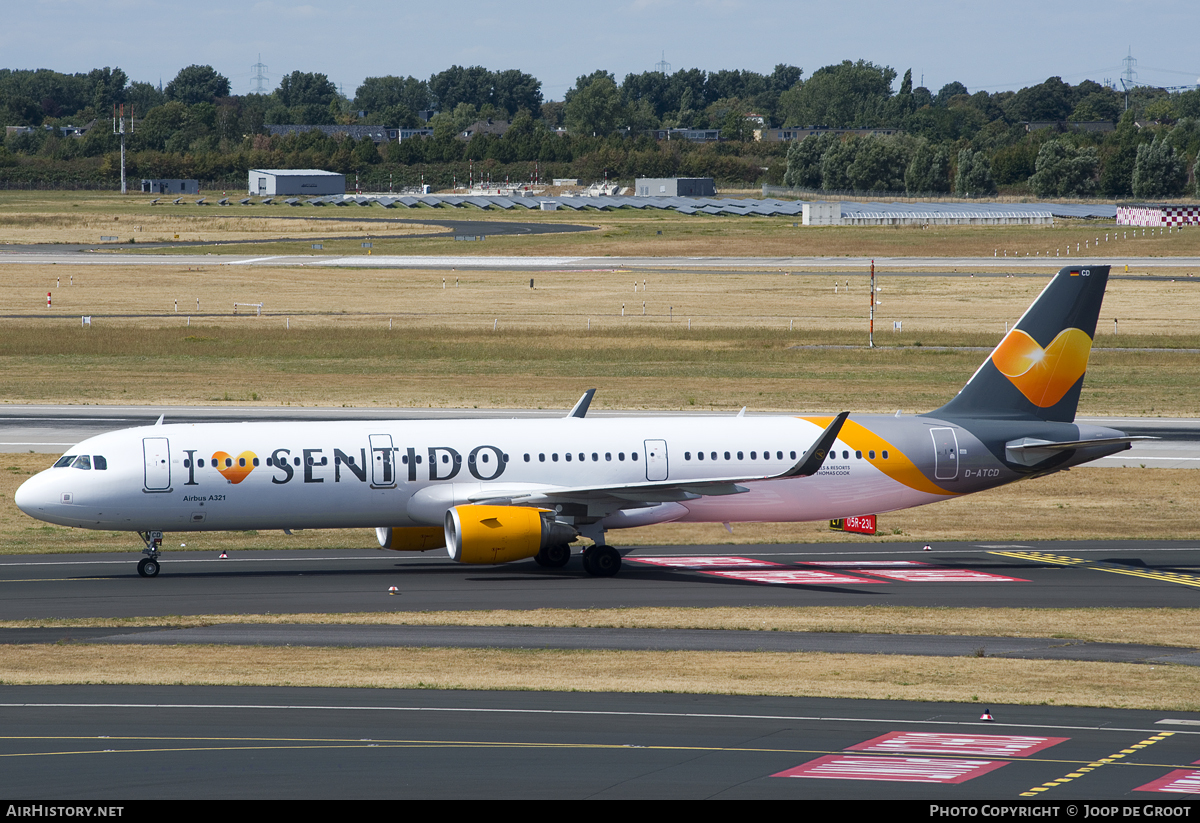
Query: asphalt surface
[(125, 743), (1060, 574)]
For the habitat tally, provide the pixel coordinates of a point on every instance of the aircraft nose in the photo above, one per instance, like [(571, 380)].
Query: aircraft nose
[(33, 495)]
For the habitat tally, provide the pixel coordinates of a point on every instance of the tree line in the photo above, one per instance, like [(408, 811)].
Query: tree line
[(949, 141)]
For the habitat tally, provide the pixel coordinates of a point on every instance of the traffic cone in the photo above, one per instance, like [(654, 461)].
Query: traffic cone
[(393, 590), (224, 556), (987, 715)]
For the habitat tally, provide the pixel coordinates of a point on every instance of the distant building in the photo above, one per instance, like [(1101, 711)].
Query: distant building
[(308, 182), (1098, 126), (675, 187), (691, 135), (405, 134), (163, 185), (777, 135), (489, 126), (378, 134)]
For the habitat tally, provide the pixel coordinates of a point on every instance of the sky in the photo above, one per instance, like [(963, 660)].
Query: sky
[(989, 46)]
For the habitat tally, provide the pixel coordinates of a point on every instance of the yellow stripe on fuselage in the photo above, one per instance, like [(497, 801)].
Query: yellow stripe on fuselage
[(898, 466)]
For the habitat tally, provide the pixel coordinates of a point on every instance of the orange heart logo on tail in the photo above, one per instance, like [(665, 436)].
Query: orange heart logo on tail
[(234, 469), (1043, 375)]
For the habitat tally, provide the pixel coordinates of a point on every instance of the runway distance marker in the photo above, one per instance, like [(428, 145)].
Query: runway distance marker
[(981, 745), (1179, 781), (935, 575), (892, 769), (794, 577), (705, 562)]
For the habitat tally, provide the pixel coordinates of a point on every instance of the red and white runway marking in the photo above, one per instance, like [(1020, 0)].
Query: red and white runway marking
[(977, 745), (894, 769)]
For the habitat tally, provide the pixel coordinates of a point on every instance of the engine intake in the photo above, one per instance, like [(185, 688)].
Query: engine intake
[(501, 534)]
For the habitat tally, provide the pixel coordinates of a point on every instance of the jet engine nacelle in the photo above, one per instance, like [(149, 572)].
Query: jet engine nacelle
[(501, 534)]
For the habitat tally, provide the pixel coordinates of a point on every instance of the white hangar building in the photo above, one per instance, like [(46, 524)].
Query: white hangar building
[(306, 182)]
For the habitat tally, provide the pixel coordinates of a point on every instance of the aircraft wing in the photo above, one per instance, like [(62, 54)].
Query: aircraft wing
[(666, 491)]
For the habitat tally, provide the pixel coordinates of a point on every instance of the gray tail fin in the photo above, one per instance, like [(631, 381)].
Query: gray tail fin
[(1037, 370)]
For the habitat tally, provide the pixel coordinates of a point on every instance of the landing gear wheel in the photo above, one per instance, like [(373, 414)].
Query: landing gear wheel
[(602, 561), (148, 567), (554, 557)]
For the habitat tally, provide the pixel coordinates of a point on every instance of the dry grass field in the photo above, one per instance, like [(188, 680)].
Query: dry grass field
[(363, 337), (988, 681)]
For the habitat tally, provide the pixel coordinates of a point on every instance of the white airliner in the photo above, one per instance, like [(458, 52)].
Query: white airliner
[(494, 491)]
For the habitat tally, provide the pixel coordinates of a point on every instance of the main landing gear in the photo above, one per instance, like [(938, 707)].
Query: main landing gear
[(149, 566), (601, 561)]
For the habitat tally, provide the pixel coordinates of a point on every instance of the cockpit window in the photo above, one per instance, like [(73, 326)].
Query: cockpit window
[(65, 460), (83, 461), (99, 463)]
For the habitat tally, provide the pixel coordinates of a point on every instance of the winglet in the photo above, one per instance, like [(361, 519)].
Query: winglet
[(581, 407), (742, 413), (159, 421), (815, 456)]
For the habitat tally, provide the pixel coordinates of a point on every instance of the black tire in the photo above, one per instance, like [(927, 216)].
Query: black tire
[(554, 557), (148, 567), (602, 561)]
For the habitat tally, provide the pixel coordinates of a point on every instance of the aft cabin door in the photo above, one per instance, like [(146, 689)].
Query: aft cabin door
[(945, 454), (383, 462), (656, 459), (158, 464)]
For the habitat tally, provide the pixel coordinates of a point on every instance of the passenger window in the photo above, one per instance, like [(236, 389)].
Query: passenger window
[(568, 456), (595, 457), (63, 461), (541, 458), (608, 456), (526, 458), (687, 455), (83, 461), (778, 455), (740, 456), (699, 455), (845, 454), (256, 461), (753, 455), (871, 454), (713, 455), (242, 462), (554, 457), (885, 454), (633, 456), (858, 455), (621, 456), (793, 455), (726, 455)]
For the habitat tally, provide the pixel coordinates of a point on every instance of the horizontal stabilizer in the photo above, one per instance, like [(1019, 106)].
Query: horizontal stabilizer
[(1029, 451)]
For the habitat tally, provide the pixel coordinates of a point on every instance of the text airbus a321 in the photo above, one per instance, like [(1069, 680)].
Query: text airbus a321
[(495, 491)]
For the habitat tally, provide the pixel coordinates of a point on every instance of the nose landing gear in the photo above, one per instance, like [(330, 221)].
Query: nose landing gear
[(149, 565)]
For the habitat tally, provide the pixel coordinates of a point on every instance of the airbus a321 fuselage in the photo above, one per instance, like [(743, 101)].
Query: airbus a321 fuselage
[(494, 491)]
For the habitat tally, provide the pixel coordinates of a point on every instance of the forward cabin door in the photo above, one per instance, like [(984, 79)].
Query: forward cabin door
[(158, 464), (656, 459), (383, 462)]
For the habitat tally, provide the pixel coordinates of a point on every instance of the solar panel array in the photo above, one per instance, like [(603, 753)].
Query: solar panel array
[(726, 205)]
